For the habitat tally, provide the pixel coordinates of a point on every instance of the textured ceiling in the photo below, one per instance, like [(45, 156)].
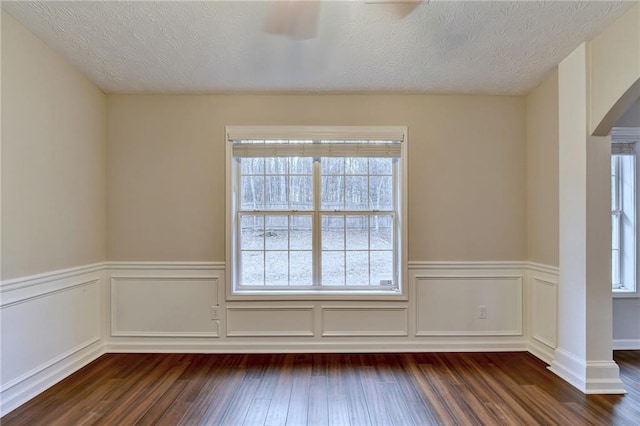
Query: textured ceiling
[(494, 47)]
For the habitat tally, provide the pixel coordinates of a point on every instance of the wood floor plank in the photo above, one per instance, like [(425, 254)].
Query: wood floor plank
[(240, 403), (163, 404), (196, 377), (374, 396), (145, 393), (318, 402), (358, 411), (337, 396), (298, 412), (279, 407), (484, 374), (223, 399), (432, 397), (257, 413), (327, 389), (447, 392), (214, 385)]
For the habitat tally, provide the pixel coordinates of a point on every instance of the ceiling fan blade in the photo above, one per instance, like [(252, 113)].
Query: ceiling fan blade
[(293, 18), (401, 8), (406, 7)]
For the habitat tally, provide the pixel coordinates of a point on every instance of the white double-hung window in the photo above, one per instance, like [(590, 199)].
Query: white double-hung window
[(623, 218), (316, 210)]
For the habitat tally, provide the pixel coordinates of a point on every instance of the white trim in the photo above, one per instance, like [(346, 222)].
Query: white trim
[(534, 314), (336, 345), (45, 289), (206, 266), (507, 264), (373, 308), (569, 367), (467, 265), (22, 389), (276, 333), (469, 333), (626, 294), (591, 377), (519, 282), (48, 364), (24, 290), (37, 279), (626, 344), (115, 332), (545, 269), (541, 351), (469, 277)]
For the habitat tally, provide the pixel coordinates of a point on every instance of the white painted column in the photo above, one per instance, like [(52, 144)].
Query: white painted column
[(584, 355)]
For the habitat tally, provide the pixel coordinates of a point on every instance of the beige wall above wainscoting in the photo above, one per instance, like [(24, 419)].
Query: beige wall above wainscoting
[(542, 172), (54, 124), (166, 169)]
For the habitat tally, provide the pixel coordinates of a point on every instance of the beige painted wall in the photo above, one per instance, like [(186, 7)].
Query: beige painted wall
[(542, 172), (614, 71), (166, 169), (53, 159)]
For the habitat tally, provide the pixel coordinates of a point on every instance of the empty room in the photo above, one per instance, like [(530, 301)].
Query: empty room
[(391, 212)]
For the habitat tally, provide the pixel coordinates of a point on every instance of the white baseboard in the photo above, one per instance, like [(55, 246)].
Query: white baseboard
[(626, 344), (284, 346), (41, 379), (592, 377), (541, 351)]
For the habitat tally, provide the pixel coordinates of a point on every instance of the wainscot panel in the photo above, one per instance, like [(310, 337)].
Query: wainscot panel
[(364, 321), (250, 320), (544, 310), (51, 326), (469, 304), (164, 306)]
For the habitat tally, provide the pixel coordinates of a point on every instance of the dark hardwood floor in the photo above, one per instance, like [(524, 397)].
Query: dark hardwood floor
[(327, 389)]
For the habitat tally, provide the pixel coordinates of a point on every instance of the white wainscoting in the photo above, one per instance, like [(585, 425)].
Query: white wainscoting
[(51, 327), (452, 305), (441, 314), (365, 320), (272, 320), (168, 299), (543, 305), (163, 306), (65, 319)]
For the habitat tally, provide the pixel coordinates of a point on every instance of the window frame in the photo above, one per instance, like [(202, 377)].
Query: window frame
[(626, 271), (306, 133)]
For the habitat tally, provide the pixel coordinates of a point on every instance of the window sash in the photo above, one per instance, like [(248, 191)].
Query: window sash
[(623, 220), (317, 249), (317, 213)]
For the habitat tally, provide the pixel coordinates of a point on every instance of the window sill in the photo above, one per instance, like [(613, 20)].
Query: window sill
[(319, 295), (626, 295)]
